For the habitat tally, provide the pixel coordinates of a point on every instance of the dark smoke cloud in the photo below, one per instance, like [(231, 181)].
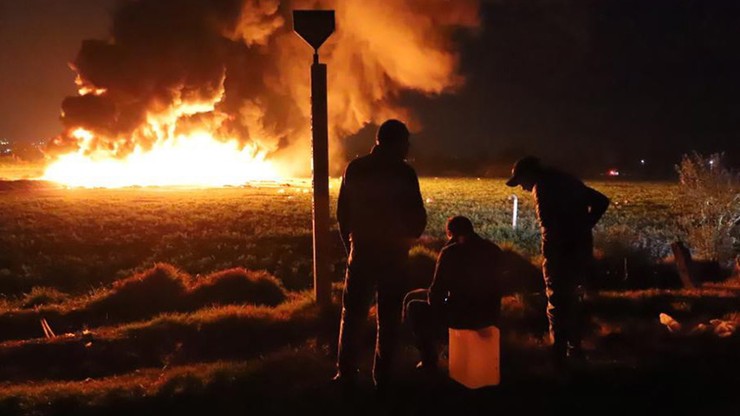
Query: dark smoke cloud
[(164, 53), (159, 51)]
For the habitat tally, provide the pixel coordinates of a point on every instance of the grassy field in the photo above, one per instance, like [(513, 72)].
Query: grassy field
[(79, 239), (163, 301)]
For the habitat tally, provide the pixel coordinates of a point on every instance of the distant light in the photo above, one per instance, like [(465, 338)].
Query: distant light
[(642, 161), (613, 172), (711, 162)]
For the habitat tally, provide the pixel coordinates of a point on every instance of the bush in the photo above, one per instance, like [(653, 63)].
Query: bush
[(624, 259), (422, 262), (161, 288), (238, 286), (709, 206), (40, 296), (519, 275)]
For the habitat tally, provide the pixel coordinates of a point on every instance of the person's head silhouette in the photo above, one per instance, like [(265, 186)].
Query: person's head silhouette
[(525, 173), (393, 137), (459, 228)]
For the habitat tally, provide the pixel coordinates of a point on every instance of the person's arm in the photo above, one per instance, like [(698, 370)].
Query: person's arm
[(343, 214), (597, 203), (441, 283), (417, 214), (546, 205)]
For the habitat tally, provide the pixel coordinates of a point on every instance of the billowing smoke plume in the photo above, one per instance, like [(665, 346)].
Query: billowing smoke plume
[(237, 67)]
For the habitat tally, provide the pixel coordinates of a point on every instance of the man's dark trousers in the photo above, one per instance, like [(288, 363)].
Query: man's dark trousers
[(564, 274), (368, 271), (428, 324)]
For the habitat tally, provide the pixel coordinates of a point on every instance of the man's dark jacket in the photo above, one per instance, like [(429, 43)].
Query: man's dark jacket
[(567, 210), (380, 209), (467, 284)]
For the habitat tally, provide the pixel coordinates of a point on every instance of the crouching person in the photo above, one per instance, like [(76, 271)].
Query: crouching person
[(465, 292)]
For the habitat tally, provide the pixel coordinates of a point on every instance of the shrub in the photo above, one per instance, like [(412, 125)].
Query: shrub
[(709, 206), (161, 288), (519, 274), (238, 286), (422, 261), (623, 259), (39, 296)]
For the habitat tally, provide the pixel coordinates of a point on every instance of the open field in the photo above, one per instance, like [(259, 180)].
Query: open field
[(153, 314), (79, 239)]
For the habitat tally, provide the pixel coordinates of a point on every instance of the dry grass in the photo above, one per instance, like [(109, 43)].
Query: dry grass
[(226, 332), (179, 338), (209, 360), (42, 296), (237, 286), (422, 262), (186, 390), (161, 289)]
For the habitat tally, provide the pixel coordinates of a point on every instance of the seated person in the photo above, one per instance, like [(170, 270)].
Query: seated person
[(465, 292)]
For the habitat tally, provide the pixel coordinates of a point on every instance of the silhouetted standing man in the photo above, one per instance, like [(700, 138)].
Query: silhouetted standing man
[(380, 213), (567, 210)]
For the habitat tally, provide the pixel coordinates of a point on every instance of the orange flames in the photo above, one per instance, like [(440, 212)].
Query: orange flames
[(85, 89), (255, 125), (194, 158)]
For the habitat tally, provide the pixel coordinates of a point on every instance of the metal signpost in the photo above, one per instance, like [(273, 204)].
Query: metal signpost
[(315, 27)]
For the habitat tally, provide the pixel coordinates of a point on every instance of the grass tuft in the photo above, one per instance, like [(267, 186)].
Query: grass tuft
[(41, 296), (238, 285), (159, 290), (422, 261)]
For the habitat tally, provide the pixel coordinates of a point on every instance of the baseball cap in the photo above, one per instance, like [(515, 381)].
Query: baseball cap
[(523, 166)]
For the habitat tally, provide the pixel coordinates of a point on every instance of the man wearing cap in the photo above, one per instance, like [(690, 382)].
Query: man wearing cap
[(567, 211), (465, 292), (380, 213)]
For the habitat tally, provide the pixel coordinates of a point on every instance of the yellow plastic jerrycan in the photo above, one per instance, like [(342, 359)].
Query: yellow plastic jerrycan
[(474, 357)]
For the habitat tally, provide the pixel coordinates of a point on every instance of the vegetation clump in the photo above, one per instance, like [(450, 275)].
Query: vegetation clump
[(238, 285), (708, 204)]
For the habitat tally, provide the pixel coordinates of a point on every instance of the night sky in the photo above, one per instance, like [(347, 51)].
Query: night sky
[(37, 39), (585, 84)]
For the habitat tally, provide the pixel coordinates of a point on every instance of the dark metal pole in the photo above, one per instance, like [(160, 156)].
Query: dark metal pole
[(315, 27), (320, 150)]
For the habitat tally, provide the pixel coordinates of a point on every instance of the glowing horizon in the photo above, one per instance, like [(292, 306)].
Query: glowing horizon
[(195, 159)]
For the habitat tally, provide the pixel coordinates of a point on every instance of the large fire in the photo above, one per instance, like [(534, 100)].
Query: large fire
[(216, 92), (195, 159), (171, 158)]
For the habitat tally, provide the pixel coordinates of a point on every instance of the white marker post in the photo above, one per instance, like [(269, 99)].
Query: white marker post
[(515, 213)]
